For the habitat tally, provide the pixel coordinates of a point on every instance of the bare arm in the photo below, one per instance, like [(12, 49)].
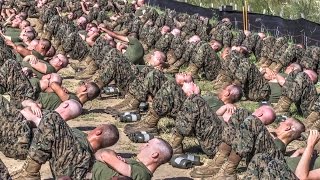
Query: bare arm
[(281, 80), (114, 35), (303, 169), (22, 51), (84, 9), (59, 91), (110, 158), (221, 110), (39, 66), (90, 40)]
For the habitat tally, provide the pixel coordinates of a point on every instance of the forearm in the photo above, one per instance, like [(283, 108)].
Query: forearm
[(281, 80), (221, 111), (27, 103), (59, 91), (302, 170)]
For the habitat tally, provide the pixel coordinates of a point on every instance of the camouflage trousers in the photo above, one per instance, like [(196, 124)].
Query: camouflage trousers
[(169, 99), (230, 128), (141, 87), (266, 166), (252, 137), (67, 153), (299, 88), (196, 117), (14, 82), (256, 87), (116, 67), (4, 174)]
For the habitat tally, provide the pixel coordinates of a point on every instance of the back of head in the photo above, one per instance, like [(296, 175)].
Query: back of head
[(55, 77), (312, 75), (266, 114), (164, 149), (235, 93), (109, 135), (297, 128), (45, 44), (69, 109), (93, 90)]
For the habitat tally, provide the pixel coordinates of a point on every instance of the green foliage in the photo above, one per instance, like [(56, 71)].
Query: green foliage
[(290, 9)]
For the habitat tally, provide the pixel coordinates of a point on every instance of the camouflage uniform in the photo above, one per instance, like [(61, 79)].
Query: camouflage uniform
[(147, 83), (253, 137), (255, 87), (149, 36), (230, 128), (4, 174), (163, 44), (177, 46), (222, 33), (196, 117), (311, 58), (266, 49), (238, 38), (99, 50), (279, 48), (67, 150), (169, 99), (170, 14), (207, 59), (16, 135), (15, 83), (264, 166), (53, 26), (292, 54), (75, 47), (301, 90), (116, 67)]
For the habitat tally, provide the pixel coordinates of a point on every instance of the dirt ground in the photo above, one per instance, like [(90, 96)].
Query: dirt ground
[(89, 120)]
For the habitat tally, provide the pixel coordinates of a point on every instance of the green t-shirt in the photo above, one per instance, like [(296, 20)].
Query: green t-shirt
[(214, 102), (50, 68), (35, 83), (12, 32), (49, 101), (293, 162), (135, 51), (139, 171), (276, 90), (38, 55)]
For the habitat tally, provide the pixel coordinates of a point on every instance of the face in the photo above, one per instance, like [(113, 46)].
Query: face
[(147, 149), (216, 46), (57, 60), (183, 77), (82, 87), (92, 31), (16, 22)]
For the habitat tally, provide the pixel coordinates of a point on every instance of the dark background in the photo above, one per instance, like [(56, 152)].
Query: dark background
[(299, 31)]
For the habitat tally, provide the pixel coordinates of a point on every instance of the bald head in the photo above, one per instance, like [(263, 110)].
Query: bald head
[(51, 52), (266, 114), (157, 58), (165, 29), (190, 89), (69, 109), (105, 135), (165, 150), (293, 67), (312, 75), (176, 32), (194, 39)]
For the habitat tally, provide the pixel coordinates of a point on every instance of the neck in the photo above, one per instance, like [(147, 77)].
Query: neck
[(283, 137), (225, 100), (83, 98), (150, 165), (95, 146)]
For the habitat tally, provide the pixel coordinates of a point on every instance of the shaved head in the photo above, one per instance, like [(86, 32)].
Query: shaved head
[(312, 75), (69, 109), (266, 114)]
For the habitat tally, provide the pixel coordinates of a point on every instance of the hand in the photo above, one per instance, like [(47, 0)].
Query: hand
[(33, 59), (36, 110), (10, 43), (313, 138), (230, 108)]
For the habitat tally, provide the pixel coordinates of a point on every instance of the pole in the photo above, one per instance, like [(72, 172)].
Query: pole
[(243, 16)]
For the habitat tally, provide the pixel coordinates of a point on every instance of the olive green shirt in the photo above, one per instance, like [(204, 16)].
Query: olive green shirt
[(38, 55), (135, 51), (139, 171), (50, 68), (51, 101), (35, 83), (213, 101), (293, 162), (12, 32), (276, 90)]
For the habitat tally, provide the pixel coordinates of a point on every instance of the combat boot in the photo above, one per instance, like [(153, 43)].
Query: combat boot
[(176, 142), (277, 68), (312, 119), (82, 64), (148, 124), (88, 72), (174, 68), (29, 171), (213, 165), (129, 104), (228, 169), (193, 69), (283, 106)]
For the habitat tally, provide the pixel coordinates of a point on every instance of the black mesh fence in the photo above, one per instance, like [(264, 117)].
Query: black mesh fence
[(299, 31)]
